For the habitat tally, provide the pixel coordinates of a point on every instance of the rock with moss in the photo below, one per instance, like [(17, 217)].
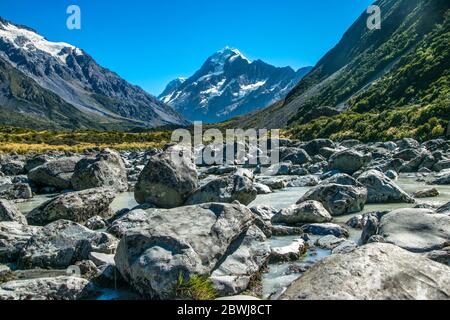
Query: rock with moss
[(191, 241)]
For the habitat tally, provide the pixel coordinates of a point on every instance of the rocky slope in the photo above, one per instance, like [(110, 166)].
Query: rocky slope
[(59, 85), (401, 71), (228, 85)]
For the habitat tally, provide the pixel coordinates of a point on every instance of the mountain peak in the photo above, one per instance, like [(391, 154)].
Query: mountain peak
[(27, 39), (227, 54)]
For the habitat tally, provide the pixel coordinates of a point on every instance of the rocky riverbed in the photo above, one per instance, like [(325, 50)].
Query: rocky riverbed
[(333, 220)]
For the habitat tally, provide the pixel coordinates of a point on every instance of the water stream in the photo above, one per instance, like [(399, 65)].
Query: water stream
[(280, 275)]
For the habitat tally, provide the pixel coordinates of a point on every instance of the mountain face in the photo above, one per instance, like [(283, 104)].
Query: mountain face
[(228, 85), (67, 76), (399, 74)]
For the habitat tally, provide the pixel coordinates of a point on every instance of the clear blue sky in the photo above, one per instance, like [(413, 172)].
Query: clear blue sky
[(150, 42)]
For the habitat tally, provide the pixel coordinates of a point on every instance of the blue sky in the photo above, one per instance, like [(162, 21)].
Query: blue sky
[(150, 42)]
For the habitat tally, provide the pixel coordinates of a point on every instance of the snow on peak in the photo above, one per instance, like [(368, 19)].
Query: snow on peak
[(28, 40), (227, 54)]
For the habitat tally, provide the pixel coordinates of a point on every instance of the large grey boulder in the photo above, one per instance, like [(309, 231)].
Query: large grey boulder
[(381, 189), (305, 212), (59, 288), (107, 169), (348, 161), (243, 262), (63, 243), (15, 191), (10, 213), (168, 179), (373, 272), (74, 206), (13, 237), (56, 173), (225, 190), (338, 199), (416, 230), (182, 242)]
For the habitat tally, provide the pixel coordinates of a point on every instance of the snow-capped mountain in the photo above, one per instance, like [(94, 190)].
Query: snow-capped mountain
[(71, 77), (228, 85)]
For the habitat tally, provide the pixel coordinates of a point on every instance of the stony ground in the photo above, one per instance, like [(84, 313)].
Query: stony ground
[(197, 231)]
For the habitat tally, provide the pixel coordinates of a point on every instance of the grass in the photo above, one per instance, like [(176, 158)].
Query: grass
[(198, 288), (25, 141)]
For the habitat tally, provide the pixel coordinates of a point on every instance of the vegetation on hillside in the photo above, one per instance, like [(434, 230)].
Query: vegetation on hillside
[(412, 100)]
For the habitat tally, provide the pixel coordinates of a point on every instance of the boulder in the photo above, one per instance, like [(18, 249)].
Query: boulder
[(36, 161), (13, 168), (107, 169), (291, 252), (15, 191), (168, 179), (56, 173), (442, 179), (329, 242), (338, 199), (381, 189), (416, 230), (313, 147), (74, 206), (348, 161), (225, 190), (10, 213), (59, 288), (445, 209), (406, 143), (427, 193), (343, 179), (96, 223), (63, 243), (243, 262), (297, 157), (441, 256), (345, 247), (305, 212), (262, 188), (179, 243), (13, 237), (323, 229), (263, 218), (373, 272)]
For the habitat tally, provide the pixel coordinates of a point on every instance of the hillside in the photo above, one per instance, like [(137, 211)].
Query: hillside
[(56, 85), (400, 71)]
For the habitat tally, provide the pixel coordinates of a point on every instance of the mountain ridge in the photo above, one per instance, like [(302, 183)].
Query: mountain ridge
[(229, 84), (74, 76)]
